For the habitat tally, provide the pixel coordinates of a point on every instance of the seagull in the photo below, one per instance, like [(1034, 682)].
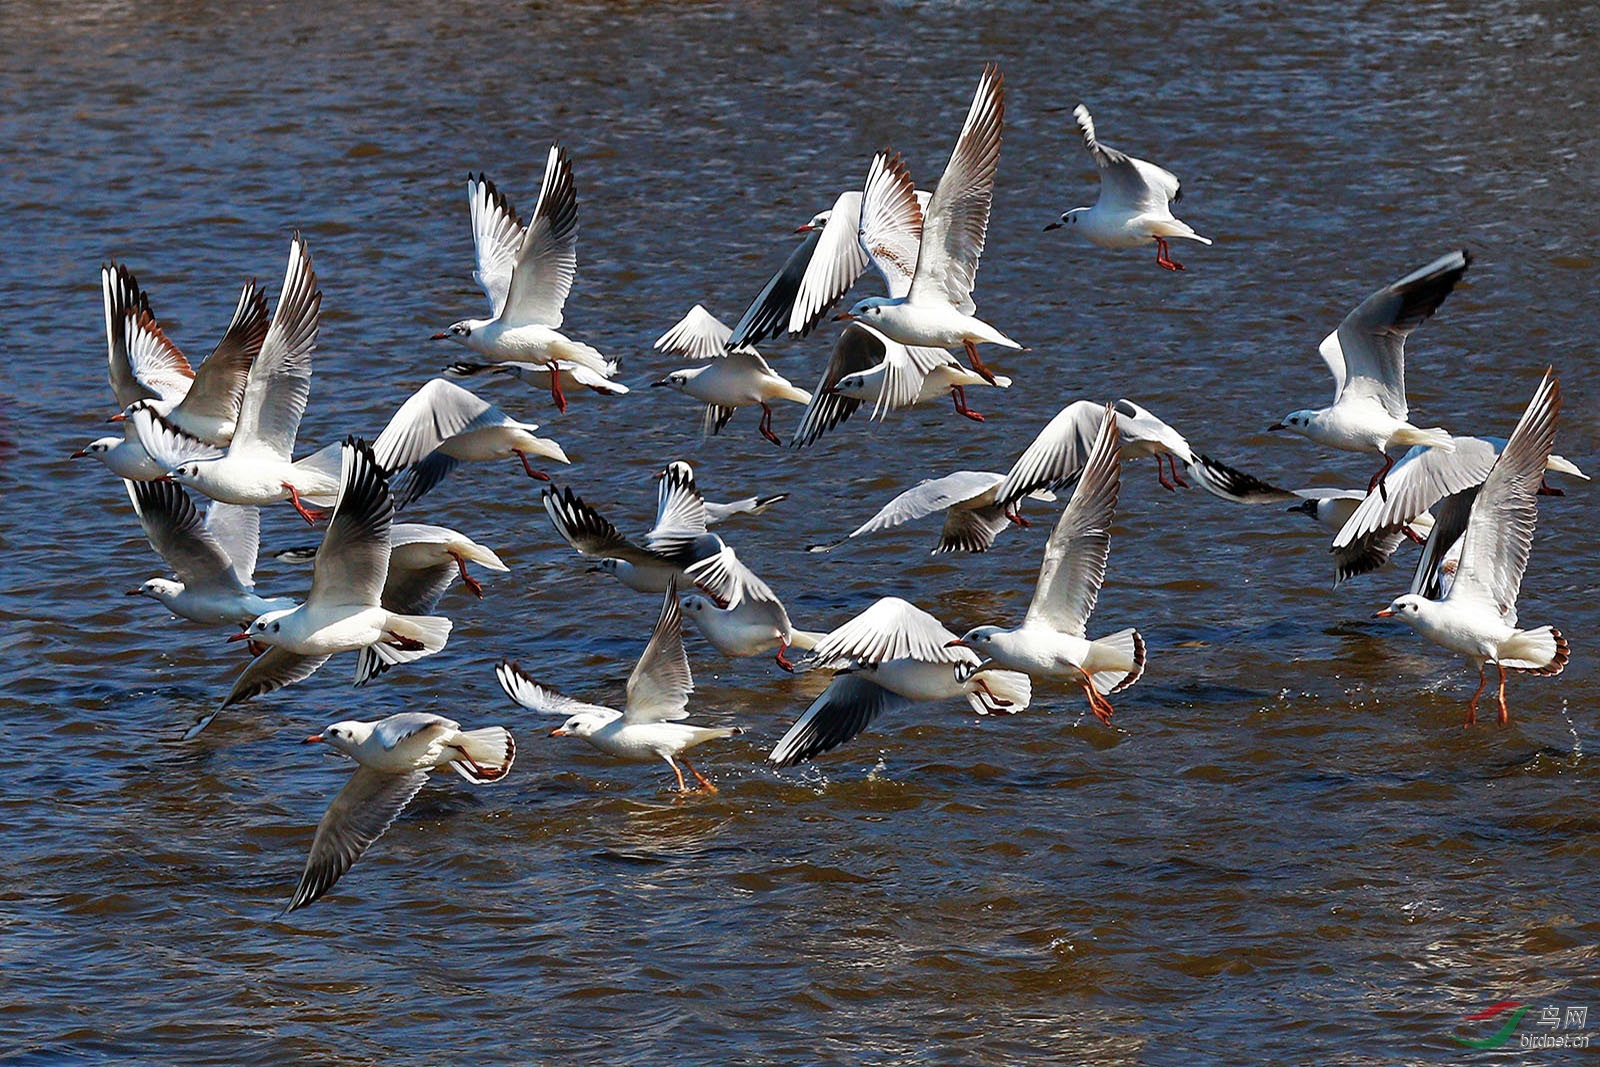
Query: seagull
[(749, 505), (443, 425), (1332, 508), (972, 518), (421, 556), (1478, 617), (569, 376), (395, 756), (740, 615), (733, 378), (259, 467), (1133, 206), (933, 257), (342, 612), (1050, 643), (527, 273), (648, 726), (213, 558), (891, 655), (127, 457), (1367, 356)]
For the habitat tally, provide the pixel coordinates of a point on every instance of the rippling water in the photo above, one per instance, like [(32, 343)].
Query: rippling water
[(1287, 846)]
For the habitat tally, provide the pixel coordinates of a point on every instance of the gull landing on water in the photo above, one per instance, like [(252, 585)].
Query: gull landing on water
[(1133, 206), (733, 378)]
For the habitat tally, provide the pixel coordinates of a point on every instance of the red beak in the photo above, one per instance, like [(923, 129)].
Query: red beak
[(957, 643), (807, 228), (243, 635), (118, 417), (844, 316), (558, 732), (313, 739), (79, 454), (1384, 614)]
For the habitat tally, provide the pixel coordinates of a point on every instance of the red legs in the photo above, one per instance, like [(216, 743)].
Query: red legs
[(1414, 537), (995, 702), (1546, 489), (977, 364), (405, 644), (1161, 474), (705, 783), (681, 787), (488, 774), (1377, 479), (1173, 463), (555, 391), (1472, 705), (469, 580), (311, 515), (1505, 713), (767, 426), (539, 475), (1097, 703), (1163, 257), (784, 661), (1016, 516), (959, 395)]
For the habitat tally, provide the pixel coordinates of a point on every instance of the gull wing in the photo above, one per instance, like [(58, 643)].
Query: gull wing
[(1449, 524), (122, 297), (520, 686), (698, 335), (237, 529), (1422, 477), (848, 706), (406, 724), (957, 219), (922, 500), (279, 382), (970, 529), (680, 511), (768, 314), (496, 236), (353, 560), (162, 441), (1075, 557), (891, 222), (834, 266), (1056, 456), (272, 670), (220, 380), (659, 687), (547, 259), (904, 370), (176, 531), (890, 629), (857, 349), (429, 417), (358, 816), (726, 579), (1132, 185), (586, 530), (1367, 352)]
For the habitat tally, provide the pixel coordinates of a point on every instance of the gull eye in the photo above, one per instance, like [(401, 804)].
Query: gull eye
[(276, 627)]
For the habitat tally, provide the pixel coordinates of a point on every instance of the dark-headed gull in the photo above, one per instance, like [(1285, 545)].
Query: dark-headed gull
[(1050, 643), (1367, 357), (395, 756), (731, 379), (527, 273), (563, 376), (1332, 508), (1134, 204), (1478, 617), (739, 614), (649, 725)]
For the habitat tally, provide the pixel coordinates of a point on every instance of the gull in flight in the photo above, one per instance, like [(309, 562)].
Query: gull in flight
[(739, 614), (1134, 204), (649, 726), (343, 611), (731, 378), (931, 260), (1332, 508), (259, 466), (422, 557), (891, 655), (1478, 616), (569, 376), (1050, 643), (972, 517), (442, 426), (214, 558), (527, 273), (394, 757), (1367, 357)]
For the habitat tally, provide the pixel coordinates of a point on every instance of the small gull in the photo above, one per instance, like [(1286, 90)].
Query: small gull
[(422, 556), (648, 727), (1332, 508), (1133, 207), (972, 518), (731, 379), (1478, 617), (568, 375), (739, 614), (395, 756)]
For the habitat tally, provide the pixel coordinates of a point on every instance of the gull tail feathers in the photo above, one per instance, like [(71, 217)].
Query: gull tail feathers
[(1563, 465), (476, 553), (430, 632), (699, 735), (805, 640), (1433, 437), (487, 754), (1116, 661), (1540, 651), (993, 691)]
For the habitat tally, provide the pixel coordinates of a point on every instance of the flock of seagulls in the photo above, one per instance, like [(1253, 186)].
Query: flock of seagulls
[(225, 431)]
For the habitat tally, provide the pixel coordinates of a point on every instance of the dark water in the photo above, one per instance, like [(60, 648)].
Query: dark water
[(1287, 849)]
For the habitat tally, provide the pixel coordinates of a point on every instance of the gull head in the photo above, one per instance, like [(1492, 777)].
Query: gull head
[(459, 332), (856, 386), (580, 725), (163, 589), (696, 605), (1068, 218), (98, 447), (1408, 609), (678, 378), (818, 221), (1306, 507), (610, 566), (189, 474), (869, 310), (267, 628), (980, 638), (1294, 422), (344, 736)]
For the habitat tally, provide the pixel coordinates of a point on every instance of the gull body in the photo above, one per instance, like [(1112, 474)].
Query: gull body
[(733, 378), (739, 614)]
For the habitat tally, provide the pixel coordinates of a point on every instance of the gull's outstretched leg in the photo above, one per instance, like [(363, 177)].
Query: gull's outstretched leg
[(1472, 705), (539, 475), (1163, 258), (977, 364), (959, 395), (469, 580), (311, 515)]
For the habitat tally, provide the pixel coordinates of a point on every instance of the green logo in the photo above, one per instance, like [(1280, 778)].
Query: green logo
[(1500, 1036)]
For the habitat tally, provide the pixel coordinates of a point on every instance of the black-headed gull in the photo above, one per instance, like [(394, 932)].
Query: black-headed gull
[(343, 612), (568, 376), (214, 558), (972, 518), (443, 425), (1134, 204), (527, 273), (897, 648), (1050, 643), (739, 614), (731, 378), (1478, 617), (395, 756), (1332, 508), (1367, 357), (649, 725), (933, 257), (421, 557)]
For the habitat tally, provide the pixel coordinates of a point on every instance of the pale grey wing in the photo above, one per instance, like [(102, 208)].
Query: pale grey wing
[(834, 265), (176, 531), (279, 382), (1494, 553), (680, 510), (957, 220), (496, 237), (1449, 524), (1372, 338), (164, 442), (659, 687), (1138, 424), (219, 382), (429, 417), (121, 296), (971, 529), (1056, 456), (547, 260), (520, 686), (1421, 478), (769, 313), (415, 590), (153, 359), (922, 500), (848, 706), (714, 418), (407, 724), (891, 222), (857, 349), (1221, 480), (586, 530), (353, 560), (272, 670), (698, 335), (890, 629), (904, 370), (1131, 184), (1075, 557), (358, 816), (237, 529), (750, 505), (419, 478), (726, 579)]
